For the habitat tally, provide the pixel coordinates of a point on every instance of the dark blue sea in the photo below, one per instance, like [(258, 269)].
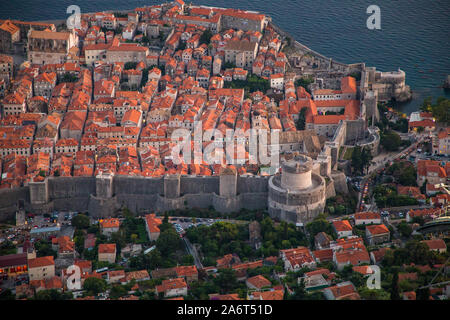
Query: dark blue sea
[(414, 35)]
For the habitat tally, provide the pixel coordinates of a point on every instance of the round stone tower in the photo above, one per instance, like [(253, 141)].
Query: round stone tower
[(297, 195), (296, 174)]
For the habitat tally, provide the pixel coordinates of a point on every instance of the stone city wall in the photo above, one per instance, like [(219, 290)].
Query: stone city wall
[(139, 194)]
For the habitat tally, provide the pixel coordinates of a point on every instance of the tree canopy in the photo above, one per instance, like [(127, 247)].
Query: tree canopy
[(440, 110), (94, 286), (81, 221)]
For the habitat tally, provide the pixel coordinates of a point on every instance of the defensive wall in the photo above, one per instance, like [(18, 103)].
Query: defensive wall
[(104, 195)]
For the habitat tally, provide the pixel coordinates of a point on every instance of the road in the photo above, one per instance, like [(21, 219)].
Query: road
[(191, 250), (379, 165)]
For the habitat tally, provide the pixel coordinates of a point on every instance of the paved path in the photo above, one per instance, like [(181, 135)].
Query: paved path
[(191, 250)]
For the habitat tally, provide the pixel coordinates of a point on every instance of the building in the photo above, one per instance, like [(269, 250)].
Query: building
[(347, 92), (254, 231), (304, 189), (126, 52), (64, 247), (267, 295), (172, 288), (14, 104), (322, 240), (257, 283), (277, 81), (107, 252), (241, 53), (437, 245), (243, 20), (151, 225), (9, 34), (341, 291), (44, 84), (297, 258), (441, 142), (13, 264), (352, 256), (376, 234), (6, 67), (189, 273), (109, 226), (46, 47), (362, 218), (431, 171), (41, 268), (343, 228), (424, 120)]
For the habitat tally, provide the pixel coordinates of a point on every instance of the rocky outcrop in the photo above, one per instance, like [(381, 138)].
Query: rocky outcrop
[(405, 95), (447, 83)]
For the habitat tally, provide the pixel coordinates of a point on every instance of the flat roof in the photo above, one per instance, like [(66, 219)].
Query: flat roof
[(48, 229)]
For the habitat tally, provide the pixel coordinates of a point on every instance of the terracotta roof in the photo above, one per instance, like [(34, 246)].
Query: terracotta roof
[(259, 282), (367, 215), (110, 223), (435, 244), (107, 248), (41, 262), (170, 284), (50, 35), (268, 295), (377, 229), (342, 225)]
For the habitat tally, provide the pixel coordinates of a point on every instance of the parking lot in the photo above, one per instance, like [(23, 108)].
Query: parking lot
[(183, 223)]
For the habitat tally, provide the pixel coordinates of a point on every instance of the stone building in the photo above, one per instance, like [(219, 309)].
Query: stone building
[(9, 34), (6, 67), (376, 234), (389, 85), (297, 195), (241, 53), (46, 47), (41, 268), (243, 20), (107, 252)]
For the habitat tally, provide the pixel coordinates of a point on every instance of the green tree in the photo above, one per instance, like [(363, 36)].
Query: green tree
[(301, 121), (226, 280), (423, 294), (168, 242), (52, 295), (79, 243), (206, 37), (419, 253), (304, 82), (118, 291), (404, 229), (366, 159), (7, 295), (81, 221), (395, 294), (94, 286), (319, 225), (299, 292), (391, 141), (44, 248), (373, 294), (356, 160)]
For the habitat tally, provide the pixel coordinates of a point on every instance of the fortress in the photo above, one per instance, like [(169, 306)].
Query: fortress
[(297, 195)]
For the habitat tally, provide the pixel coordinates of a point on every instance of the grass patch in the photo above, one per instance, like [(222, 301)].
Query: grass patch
[(348, 154)]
